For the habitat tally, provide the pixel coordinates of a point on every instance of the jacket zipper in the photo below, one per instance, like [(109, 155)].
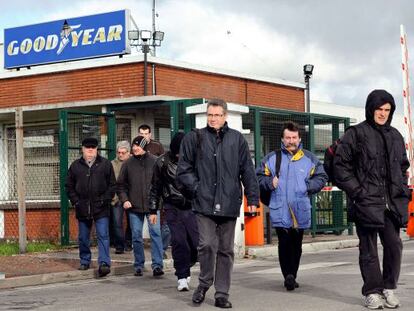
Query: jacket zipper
[(89, 186)]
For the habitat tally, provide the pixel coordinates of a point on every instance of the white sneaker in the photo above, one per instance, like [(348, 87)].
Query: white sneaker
[(188, 280), (391, 300), (374, 301), (183, 285)]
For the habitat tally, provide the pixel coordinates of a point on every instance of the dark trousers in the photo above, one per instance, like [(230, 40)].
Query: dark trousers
[(117, 237), (184, 238), (374, 280), (289, 249), (216, 252)]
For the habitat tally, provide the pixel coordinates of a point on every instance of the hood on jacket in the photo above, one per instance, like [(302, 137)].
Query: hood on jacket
[(376, 99), (175, 143)]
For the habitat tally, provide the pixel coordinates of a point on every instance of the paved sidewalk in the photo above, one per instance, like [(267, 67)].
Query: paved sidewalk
[(123, 264)]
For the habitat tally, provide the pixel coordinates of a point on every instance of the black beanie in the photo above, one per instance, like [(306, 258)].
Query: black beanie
[(139, 141), (176, 142)]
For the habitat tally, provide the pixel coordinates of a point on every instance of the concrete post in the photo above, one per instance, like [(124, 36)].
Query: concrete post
[(21, 187)]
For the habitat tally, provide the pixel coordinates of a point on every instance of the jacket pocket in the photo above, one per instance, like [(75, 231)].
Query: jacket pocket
[(302, 211), (276, 208), (82, 209)]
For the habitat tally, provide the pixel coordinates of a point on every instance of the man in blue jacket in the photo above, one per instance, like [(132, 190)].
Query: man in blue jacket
[(301, 174), (214, 162)]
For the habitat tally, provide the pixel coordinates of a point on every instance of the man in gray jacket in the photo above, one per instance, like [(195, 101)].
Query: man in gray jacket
[(133, 184), (214, 162)]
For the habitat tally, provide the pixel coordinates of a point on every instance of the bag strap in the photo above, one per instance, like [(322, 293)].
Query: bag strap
[(199, 154), (278, 153)]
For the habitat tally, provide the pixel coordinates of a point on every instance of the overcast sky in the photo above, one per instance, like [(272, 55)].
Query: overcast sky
[(354, 44)]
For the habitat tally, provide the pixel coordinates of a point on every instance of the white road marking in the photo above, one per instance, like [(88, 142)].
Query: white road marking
[(304, 267)]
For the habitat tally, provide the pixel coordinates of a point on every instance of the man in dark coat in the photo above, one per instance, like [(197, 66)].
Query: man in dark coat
[(214, 162), (90, 186), (133, 187), (370, 165)]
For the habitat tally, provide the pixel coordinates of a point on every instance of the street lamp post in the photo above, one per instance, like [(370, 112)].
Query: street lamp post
[(307, 72), (145, 39)]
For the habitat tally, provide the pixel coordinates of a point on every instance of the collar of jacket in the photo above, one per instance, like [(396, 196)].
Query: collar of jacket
[(140, 157), (298, 155), (221, 131), (97, 159)]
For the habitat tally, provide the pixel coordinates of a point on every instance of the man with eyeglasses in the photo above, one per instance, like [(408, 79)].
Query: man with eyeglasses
[(214, 162), (123, 150), (90, 186)]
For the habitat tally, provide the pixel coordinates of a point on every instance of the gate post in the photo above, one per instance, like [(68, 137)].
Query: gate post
[(63, 166), (21, 186)]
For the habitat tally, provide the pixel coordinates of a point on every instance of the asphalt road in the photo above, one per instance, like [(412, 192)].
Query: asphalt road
[(329, 280)]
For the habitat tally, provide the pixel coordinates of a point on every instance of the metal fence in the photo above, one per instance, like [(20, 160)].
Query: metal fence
[(317, 133), (41, 176)]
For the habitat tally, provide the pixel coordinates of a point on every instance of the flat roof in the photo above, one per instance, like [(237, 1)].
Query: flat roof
[(134, 58)]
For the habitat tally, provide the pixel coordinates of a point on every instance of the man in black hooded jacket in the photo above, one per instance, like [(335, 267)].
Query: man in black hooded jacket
[(181, 219), (370, 165)]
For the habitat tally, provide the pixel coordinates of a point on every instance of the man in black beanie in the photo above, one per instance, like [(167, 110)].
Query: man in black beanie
[(370, 165), (180, 218), (133, 183)]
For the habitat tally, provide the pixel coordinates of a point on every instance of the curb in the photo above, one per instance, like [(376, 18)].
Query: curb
[(75, 275), (271, 250)]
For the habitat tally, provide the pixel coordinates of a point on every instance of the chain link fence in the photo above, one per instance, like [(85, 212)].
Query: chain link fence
[(317, 133), (41, 176)]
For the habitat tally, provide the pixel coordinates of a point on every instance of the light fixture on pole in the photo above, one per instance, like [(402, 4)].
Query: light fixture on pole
[(145, 39), (307, 72)]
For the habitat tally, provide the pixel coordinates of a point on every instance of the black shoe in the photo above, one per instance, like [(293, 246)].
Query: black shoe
[(223, 303), (138, 272), (199, 294), (296, 284), (103, 270), (157, 272), (119, 251), (83, 267), (290, 282), (128, 248)]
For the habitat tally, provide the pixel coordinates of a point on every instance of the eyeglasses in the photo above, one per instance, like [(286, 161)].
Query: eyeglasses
[(209, 115)]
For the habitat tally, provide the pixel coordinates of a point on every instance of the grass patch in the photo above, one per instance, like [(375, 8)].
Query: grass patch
[(12, 248)]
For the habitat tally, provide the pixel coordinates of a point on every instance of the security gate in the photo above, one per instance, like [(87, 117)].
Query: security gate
[(74, 126)]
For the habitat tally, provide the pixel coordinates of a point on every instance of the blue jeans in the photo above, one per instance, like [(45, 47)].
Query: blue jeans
[(102, 236), (137, 222)]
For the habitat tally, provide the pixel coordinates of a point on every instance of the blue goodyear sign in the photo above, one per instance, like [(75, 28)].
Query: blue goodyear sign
[(71, 39)]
